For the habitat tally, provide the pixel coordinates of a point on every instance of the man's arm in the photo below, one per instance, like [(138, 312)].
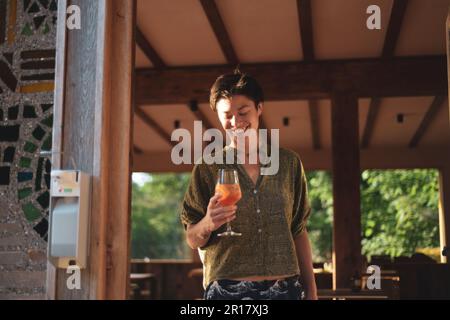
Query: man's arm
[(304, 257), (197, 235)]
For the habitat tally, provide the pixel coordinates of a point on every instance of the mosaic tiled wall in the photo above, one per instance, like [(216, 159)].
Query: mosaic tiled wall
[(27, 61)]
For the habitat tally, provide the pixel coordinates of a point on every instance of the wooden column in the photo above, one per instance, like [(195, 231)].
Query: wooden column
[(346, 194), (444, 209), (93, 125)]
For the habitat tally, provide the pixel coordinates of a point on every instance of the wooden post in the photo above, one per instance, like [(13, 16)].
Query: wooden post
[(346, 183), (447, 32), (444, 210), (93, 125)]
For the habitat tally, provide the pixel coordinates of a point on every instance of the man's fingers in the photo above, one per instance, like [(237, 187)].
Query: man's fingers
[(224, 215), (214, 201), (220, 222), (220, 210)]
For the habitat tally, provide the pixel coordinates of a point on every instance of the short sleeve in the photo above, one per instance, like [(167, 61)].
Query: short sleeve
[(196, 198), (302, 208)]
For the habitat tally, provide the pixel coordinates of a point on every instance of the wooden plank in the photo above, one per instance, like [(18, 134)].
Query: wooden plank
[(119, 51), (347, 258), (154, 125), (411, 76), (427, 120), (314, 119), (58, 121), (371, 158), (395, 24), (306, 29), (370, 121), (98, 137), (448, 52), (148, 50), (79, 129), (216, 22)]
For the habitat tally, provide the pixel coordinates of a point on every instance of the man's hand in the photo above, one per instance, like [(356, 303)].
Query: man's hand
[(217, 215)]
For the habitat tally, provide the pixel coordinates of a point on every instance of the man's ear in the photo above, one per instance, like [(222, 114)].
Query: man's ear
[(260, 108)]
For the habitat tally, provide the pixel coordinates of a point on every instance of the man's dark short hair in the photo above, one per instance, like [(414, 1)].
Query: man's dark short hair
[(237, 83)]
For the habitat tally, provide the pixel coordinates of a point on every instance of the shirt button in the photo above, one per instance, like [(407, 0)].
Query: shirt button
[(255, 191), (258, 211), (259, 230)]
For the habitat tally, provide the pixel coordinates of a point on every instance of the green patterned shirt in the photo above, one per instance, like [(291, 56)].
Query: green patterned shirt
[(270, 215)]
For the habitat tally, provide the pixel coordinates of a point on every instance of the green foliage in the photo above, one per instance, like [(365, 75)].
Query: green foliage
[(320, 225), (399, 212), (156, 228)]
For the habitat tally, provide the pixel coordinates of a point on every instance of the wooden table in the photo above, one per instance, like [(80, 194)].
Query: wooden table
[(142, 281), (348, 294)]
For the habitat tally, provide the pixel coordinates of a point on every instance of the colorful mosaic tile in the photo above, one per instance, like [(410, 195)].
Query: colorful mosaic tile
[(27, 60)]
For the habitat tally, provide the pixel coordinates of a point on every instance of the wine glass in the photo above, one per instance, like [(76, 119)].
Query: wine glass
[(228, 187)]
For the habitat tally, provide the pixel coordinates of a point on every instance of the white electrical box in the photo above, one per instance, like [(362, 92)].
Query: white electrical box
[(69, 218)]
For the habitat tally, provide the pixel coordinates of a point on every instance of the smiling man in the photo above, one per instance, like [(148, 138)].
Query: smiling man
[(272, 259)]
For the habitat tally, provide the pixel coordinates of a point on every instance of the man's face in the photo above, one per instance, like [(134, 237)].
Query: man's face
[(238, 112)]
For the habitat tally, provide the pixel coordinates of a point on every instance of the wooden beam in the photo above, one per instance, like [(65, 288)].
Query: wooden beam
[(314, 118), (148, 50), (216, 22), (347, 258), (193, 106), (154, 125), (370, 121), (437, 103), (371, 158), (395, 24), (412, 76), (306, 29)]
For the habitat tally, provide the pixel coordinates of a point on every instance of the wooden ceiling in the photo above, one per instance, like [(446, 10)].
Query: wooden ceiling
[(399, 72)]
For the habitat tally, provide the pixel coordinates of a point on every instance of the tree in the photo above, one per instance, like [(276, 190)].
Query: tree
[(156, 228), (399, 212)]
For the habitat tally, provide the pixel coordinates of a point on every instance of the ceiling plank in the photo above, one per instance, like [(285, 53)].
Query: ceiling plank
[(411, 76), (314, 118), (306, 29), (433, 110), (370, 121), (148, 50), (216, 22), (154, 125), (395, 24)]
